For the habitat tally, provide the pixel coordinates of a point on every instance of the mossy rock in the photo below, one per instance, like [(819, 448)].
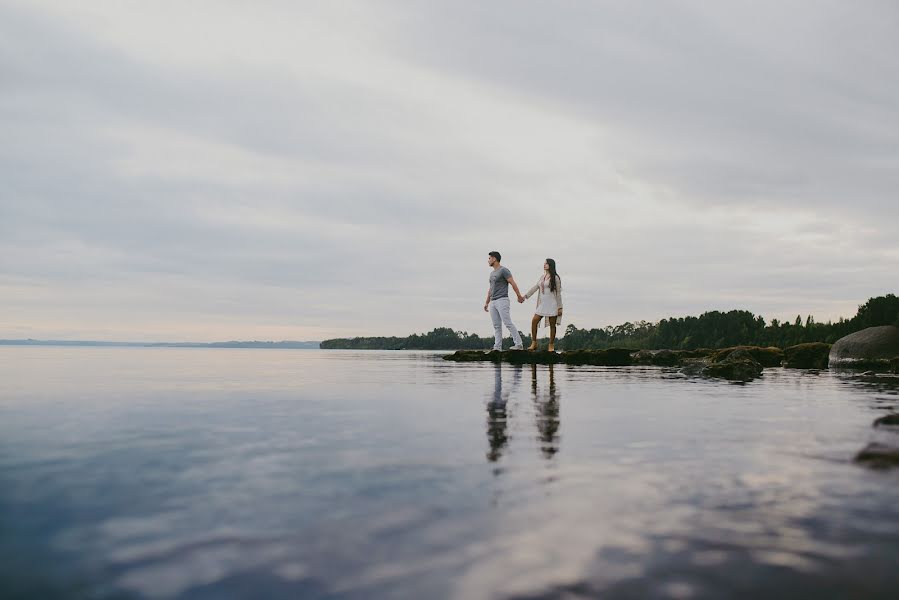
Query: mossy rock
[(526, 357), (612, 357), (474, 356), (735, 370), (878, 456), (807, 356), (658, 358), (515, 357), (767, 357)]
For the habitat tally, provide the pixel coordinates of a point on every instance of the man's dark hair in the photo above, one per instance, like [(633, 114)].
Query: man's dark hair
[(496, 255)]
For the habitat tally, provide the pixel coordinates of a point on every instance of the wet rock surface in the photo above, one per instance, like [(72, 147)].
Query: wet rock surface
[(736, 365), (877, 455), (807, 356), (891, 420), (871, 348), (613, 357), (767, 357)]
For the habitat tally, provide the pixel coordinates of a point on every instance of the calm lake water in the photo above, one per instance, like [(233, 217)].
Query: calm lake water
[(239, 473)]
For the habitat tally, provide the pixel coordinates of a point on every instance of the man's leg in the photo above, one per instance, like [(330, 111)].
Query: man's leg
[(505, 311), (497, 326)]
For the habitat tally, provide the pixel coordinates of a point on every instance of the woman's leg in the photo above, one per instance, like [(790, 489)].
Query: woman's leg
[(534, 322), (552, 333)]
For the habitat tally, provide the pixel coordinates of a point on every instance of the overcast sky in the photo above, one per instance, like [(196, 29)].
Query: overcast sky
[(302, 170)]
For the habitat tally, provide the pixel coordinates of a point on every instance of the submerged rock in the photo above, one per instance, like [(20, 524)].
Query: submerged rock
[(889, 420), (871, 348), (878, 456), (807, 356), (667, 358), (737, 365)]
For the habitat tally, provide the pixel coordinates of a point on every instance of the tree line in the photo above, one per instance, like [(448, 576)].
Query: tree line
[(713, 329)]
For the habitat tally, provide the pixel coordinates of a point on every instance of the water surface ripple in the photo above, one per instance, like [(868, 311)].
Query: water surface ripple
[(243, 473)]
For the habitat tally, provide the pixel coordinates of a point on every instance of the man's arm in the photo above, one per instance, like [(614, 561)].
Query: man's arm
[(487, 301), (514, 285)]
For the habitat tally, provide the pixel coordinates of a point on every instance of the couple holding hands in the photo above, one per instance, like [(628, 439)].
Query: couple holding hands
[(549, 302)]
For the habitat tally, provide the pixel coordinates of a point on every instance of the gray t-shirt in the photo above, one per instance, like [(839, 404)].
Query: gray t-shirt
[(499, 287)]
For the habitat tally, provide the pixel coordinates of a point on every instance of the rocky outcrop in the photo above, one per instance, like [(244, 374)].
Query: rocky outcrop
[(872, 348), (736, 365), (807, 356), (667, 358), (767, 357), (613, 357)]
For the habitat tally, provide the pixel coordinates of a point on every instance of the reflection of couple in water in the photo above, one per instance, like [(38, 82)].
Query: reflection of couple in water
[(546, 407), (549, 303)]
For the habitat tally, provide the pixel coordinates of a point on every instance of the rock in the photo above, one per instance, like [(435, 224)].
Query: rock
[(667, 358), (807, 356), (890, 420), (878, 456), (526, 357), (871, 348), (767, 357), (613, 357), (510, 356), (693, 367), (658, 358), (737, 365)]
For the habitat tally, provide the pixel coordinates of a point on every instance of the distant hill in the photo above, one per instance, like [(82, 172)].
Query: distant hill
[(232, 344)]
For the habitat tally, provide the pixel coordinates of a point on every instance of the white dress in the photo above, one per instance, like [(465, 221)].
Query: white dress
[(548, 302)]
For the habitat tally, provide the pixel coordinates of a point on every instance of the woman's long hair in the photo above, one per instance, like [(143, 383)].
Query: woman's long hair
[(552, 274)]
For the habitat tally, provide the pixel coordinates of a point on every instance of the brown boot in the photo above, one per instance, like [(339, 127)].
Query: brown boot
[(532, 347), (552, 347)]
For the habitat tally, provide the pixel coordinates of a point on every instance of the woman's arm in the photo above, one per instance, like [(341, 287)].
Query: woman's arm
[(559, 294)]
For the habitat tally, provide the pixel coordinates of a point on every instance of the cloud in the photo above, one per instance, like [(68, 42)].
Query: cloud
[(306, 171)]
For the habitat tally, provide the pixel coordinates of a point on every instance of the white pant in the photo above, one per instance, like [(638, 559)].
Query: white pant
[(501, 314)]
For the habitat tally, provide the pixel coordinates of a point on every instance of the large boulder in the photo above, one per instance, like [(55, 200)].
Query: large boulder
[(871, 348), (807, 356)]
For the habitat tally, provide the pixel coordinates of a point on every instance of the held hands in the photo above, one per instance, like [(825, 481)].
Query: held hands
[(520, 299)]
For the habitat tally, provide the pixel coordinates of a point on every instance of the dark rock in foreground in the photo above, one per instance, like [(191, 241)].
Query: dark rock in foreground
[(889, 420), (871, 348), (807, 356), (878, 456)]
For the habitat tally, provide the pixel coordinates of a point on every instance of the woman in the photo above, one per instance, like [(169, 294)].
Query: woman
[(549, 303)]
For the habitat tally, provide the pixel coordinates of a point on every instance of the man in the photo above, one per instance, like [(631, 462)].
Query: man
[(497, 303)]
